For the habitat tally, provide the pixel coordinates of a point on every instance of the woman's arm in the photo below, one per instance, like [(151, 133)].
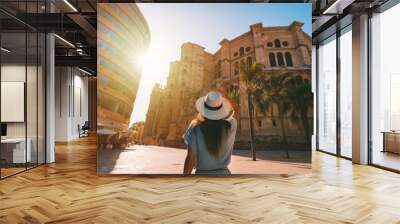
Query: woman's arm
[(190, 162)]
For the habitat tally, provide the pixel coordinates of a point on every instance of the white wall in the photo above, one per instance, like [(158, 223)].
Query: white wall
[(10, 73), (80, 110), (16, 73), (61, 103), (33, 126), (13, 100), (71, 103)]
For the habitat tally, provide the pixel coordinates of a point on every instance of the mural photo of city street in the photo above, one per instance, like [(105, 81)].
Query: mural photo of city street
[(204, 88)]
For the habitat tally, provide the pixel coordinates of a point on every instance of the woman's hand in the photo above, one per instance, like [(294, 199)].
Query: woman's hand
[(190, 162)]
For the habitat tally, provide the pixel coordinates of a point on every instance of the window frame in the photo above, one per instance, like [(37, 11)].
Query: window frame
[(280, 58), (241, 51), (272, 59), (277, 43), (336, 37), (288, 59)]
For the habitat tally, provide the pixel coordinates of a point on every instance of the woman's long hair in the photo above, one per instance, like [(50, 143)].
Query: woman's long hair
[(214, 132)]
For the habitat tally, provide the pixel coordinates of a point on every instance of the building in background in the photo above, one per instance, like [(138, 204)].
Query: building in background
[(284, 49), (123, 38), (136, 131)]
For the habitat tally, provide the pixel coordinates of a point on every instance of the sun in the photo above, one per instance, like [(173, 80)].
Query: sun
[(154, 69), (144, 60)]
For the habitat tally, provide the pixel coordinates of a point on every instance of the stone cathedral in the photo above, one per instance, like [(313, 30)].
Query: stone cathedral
[(171, 108)]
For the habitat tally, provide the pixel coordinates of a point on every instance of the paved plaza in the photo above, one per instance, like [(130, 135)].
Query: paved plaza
[(141, 159)]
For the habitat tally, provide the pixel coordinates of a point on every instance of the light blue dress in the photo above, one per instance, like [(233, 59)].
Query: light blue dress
[(207, 163)]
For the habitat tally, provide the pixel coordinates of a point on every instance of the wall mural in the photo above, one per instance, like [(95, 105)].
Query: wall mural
[(181, 93)]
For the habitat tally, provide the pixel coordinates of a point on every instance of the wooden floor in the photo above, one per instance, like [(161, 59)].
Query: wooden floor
[(69, 191), (387, 159)]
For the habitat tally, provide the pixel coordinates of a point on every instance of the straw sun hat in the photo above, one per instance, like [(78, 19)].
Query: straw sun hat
[(213, 106)]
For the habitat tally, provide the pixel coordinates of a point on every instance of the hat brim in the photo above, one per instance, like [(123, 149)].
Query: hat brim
[(219, 114)]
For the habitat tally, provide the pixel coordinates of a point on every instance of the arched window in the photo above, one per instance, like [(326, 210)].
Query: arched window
[(249, 62), (288, 58), (277, 43), (272, 60), (236, 69), (241, 51), (280, 59)]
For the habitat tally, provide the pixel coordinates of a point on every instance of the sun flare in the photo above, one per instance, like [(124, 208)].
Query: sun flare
[(144, 60)]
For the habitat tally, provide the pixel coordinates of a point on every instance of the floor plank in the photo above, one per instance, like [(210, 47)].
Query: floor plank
[(69, 191)]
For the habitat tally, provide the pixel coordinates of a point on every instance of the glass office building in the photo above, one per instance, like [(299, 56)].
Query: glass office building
[(358, 82), (385, 89), (345, 86), (327, 94), (335, 93)]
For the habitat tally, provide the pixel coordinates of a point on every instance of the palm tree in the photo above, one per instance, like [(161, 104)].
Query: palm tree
[(233, 92), (271, 91), (299, 94), (248, 76)]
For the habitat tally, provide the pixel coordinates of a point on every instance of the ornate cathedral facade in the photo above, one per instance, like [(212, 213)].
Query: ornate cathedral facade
[(278, 49)]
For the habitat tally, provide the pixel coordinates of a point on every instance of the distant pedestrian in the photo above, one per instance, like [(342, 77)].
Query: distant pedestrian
[(211, 135)]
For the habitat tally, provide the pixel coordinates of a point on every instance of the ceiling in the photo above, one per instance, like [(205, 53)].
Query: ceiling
[(328, 15), (73, 21)]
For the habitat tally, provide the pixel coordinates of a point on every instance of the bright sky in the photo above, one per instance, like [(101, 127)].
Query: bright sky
[(171, 25)]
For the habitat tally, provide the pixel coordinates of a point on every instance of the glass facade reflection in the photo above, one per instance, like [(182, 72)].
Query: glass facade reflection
[(378, 72), (385, 89), (346, 92), (327, 95)]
